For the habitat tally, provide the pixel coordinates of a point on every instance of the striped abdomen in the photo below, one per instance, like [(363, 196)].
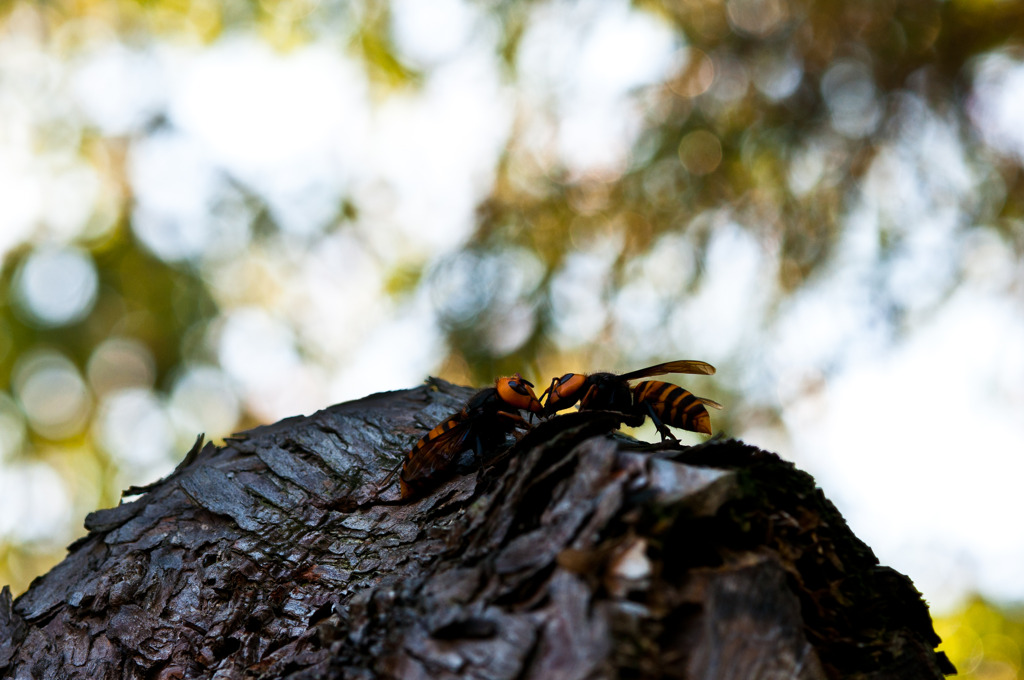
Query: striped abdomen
[(673, 405)]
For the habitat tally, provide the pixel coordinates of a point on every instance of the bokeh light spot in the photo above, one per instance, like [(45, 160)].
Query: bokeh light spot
[(203, 400), (849, 91), (34, 503), (512, 327), (56, 286), (700, 152), (119, 89), (257, 348), (428, 34), (461, 287), (70, 199), (696, 74), (758, 18), (732, 79), (134, 428), (119, 363), (777, 75), (996, 105), (12, 428), (52, 394)]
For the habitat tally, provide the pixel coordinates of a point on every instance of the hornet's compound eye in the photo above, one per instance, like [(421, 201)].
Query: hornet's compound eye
[(516, 392), (517, 386)]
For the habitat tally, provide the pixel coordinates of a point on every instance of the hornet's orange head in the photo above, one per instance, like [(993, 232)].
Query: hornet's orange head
[(564, 392), (517, 391)]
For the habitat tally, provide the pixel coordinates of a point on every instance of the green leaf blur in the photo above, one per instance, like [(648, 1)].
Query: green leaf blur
[(983, 640)]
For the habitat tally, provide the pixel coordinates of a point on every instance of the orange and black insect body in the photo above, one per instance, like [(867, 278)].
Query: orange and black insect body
[(486, 419), (670, 404), (666, 404)]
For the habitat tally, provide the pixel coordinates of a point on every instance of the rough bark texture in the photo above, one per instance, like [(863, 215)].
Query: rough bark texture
[(577, 555)]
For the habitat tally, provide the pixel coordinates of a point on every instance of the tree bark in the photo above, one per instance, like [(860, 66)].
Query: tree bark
[(575, 554)]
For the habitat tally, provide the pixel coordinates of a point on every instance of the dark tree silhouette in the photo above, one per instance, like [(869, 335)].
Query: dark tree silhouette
[(578, 554)]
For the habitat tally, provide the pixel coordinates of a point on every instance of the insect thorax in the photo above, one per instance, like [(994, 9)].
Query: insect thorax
[(610, 393)]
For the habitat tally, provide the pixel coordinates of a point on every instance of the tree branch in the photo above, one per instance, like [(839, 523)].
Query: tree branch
[(577, 554)]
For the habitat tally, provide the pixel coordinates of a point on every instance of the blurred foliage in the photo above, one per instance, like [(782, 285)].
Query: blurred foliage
[(923, 49), (771, 119), (983, 640)]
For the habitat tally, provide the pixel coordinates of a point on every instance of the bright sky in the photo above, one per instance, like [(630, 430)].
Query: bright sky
[(918, 439)]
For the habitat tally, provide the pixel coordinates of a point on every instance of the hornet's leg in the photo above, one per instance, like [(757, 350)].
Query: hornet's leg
[(662, 428), (387, 480), (586, 397), (546, 395), (516, 420)]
